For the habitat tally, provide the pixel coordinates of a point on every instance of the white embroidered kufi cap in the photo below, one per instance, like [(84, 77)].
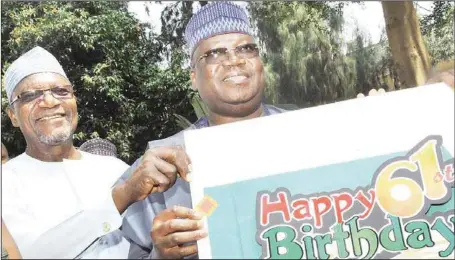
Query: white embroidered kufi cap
[(36, 60)]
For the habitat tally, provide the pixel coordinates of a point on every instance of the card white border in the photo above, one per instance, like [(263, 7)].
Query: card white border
[(329, 134)]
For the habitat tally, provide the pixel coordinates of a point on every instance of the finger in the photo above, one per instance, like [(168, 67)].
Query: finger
[(158, 170), (178, 225), (381, 91), (373, 92), (183, 212), (160, 181), (167, 169), (184, 225), (183, 164), (178, 238), (167, 153), (175, 155), (148, 153), (360, 95), (188, 250), (177, 212), (179, 252)]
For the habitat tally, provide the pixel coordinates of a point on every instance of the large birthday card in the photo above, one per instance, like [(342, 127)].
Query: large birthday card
[(363, 178)]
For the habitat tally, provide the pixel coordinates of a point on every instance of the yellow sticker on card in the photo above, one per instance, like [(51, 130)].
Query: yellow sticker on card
[(206, 206)]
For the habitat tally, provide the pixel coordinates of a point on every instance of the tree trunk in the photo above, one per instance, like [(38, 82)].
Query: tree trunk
[(406, 42)]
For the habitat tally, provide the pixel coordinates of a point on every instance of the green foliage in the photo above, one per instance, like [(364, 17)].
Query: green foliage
[(200, 108), (302, 52), (374, 66), (438, 31), (112, 61), (133, 86), (174, 19)]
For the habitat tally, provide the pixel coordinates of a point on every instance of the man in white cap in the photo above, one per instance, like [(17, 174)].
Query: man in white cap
[(57, 201), (228, 74)]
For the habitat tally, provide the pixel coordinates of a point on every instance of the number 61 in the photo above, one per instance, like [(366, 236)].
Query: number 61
[(403, 197)]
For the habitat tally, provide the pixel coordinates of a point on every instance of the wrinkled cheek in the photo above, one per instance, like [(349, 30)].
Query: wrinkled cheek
[(25, 123), (206, 83), (213, 70)]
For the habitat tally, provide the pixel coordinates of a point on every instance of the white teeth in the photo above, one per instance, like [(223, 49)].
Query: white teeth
[(50, 117), (236, 78)]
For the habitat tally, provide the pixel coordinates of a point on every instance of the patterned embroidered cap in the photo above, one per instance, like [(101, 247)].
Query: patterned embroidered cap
[(34, 61), (214, 19), (99, 146)]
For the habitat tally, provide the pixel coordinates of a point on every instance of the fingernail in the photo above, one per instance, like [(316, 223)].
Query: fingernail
[(190, 167), (200, 223), (203, 233), (197, 214)]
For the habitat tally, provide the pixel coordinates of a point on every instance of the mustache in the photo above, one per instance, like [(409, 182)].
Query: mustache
[(235, 72), (54, 113)]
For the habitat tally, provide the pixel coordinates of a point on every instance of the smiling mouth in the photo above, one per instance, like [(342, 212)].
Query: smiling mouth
[(236, 79), (51, 117)]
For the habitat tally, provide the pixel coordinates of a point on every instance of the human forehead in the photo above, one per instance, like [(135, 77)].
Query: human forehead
[(230, 40), (43, 80)]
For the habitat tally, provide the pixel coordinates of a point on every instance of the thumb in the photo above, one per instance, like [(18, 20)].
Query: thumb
[(178, 157)]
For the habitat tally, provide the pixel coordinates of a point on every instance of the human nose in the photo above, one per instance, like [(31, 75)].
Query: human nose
[(48, 100), (232, 58)]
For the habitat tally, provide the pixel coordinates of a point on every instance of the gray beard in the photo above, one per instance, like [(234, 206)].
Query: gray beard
[(57, 137)]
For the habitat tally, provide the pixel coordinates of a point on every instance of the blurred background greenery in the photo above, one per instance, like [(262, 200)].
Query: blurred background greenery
[(133, 83)]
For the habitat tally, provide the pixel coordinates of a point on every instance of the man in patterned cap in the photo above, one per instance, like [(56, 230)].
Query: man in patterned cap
[(99, 146), (228, 73), (58, 202)]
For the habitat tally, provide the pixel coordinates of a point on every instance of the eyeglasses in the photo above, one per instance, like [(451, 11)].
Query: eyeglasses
[(218, 55), (58, 92)]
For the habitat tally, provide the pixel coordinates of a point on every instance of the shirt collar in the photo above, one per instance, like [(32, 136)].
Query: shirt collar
[(203, 122)]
